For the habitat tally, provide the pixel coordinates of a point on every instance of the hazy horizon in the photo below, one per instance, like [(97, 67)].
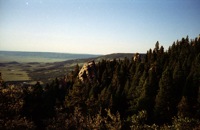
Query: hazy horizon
[(24, 56), (95, 27), (50, 52)]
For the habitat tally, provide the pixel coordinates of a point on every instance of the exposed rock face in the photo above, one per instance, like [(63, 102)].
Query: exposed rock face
[(87, 72), (136, 57)]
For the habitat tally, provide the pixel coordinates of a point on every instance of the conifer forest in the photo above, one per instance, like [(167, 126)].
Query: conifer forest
[(159, 90)]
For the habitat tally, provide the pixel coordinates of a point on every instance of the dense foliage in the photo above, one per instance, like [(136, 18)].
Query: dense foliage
[(159, 91)]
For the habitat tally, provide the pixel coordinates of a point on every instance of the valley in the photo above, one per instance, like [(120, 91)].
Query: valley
[(26, 71)]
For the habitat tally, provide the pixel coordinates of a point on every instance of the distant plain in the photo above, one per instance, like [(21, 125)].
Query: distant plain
[(35, 66), (30, 67)]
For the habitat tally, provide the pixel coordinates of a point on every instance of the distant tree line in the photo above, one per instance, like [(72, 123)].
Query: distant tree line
[(159, 91)]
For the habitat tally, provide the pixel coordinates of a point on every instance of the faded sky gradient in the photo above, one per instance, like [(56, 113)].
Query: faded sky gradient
[(96, 26)]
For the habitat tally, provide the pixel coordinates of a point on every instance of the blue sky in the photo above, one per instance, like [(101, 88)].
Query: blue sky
[(96, 26)]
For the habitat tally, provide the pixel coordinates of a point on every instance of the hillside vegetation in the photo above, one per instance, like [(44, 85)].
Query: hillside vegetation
[(161, 90)]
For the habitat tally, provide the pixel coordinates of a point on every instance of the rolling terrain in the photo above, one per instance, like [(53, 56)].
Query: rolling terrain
[(24, 69), (156, 90)]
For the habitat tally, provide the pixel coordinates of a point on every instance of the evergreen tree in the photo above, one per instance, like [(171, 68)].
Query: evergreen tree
[(76, 71), (164, 100), (178, 83), (183, 108), (157, 47), (148, 94), (192, 86)]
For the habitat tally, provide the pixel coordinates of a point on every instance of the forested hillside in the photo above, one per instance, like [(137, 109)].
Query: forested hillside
[(161, 90)]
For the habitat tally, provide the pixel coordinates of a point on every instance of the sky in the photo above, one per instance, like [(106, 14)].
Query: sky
[(96, 26)]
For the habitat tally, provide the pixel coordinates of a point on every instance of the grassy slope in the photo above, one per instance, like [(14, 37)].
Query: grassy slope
[(13, 72)]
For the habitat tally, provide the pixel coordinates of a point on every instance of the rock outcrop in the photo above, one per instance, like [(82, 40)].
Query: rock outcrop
[(87, 72), (136, 57)]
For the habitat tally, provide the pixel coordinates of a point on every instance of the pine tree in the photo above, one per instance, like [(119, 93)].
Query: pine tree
[(192, 86), (163, 101), (183, 108), (76, 70), (178, 83), (148, 94), (156, 49)]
